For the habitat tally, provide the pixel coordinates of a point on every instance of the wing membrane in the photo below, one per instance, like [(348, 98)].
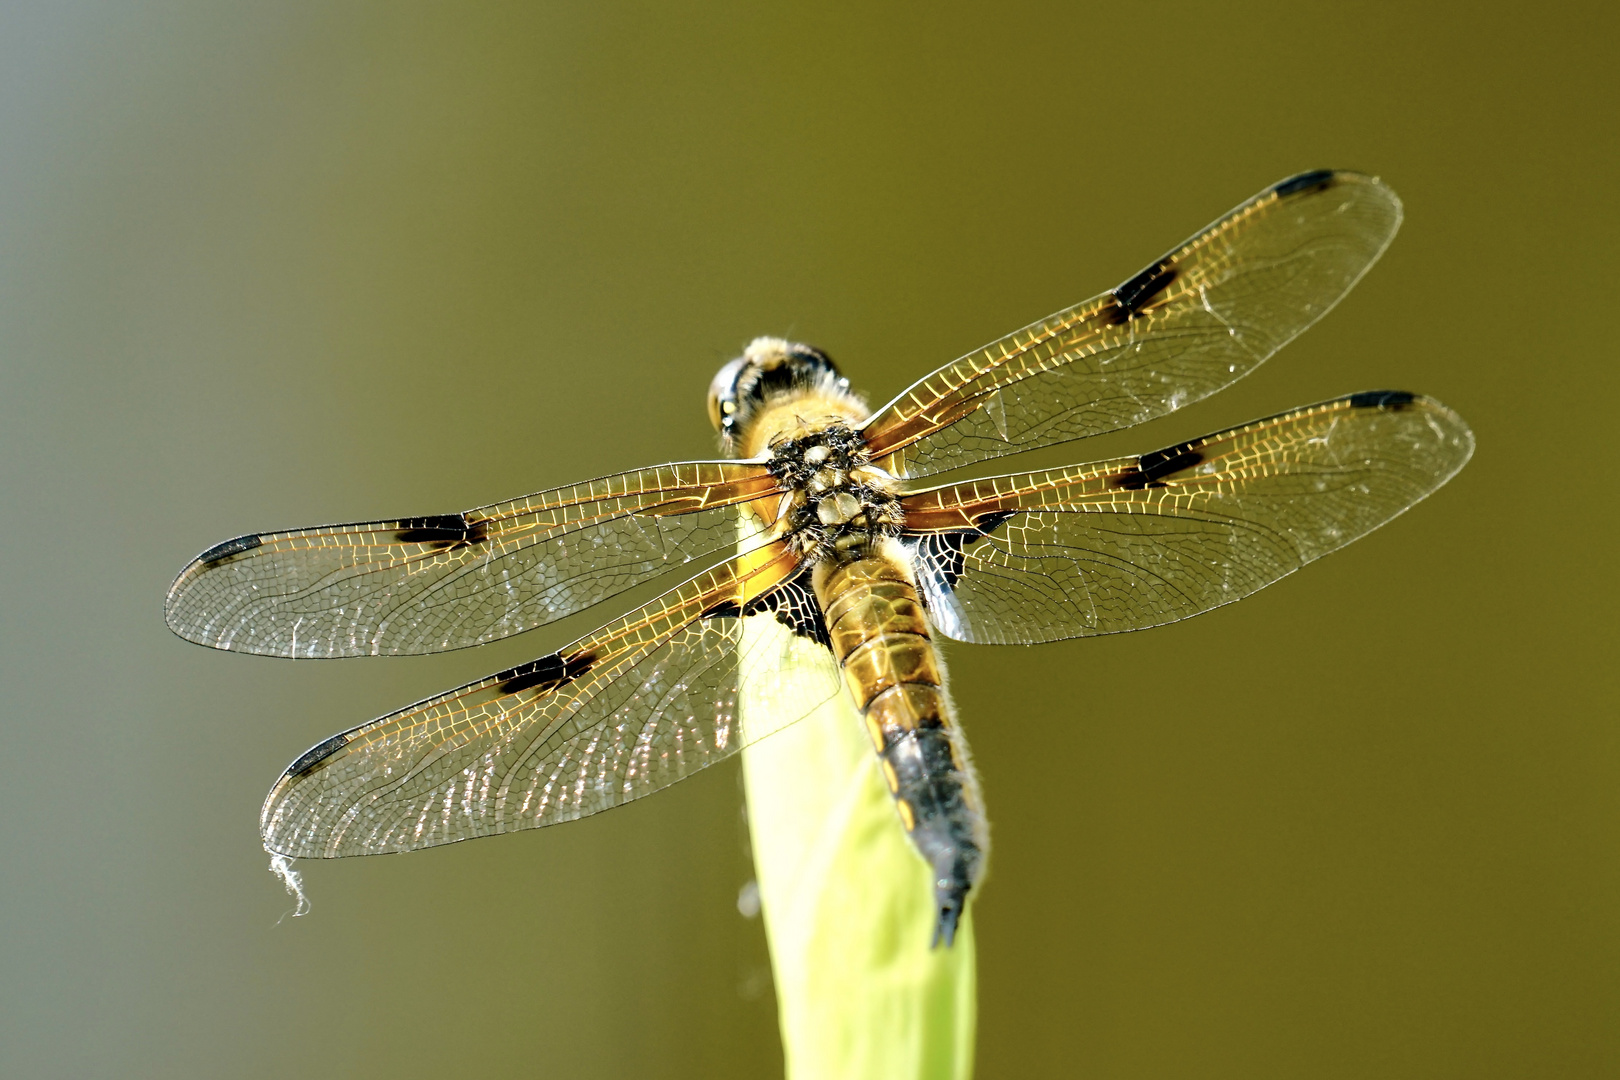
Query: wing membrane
[(1140, 541), (618, 714), (430, 584), (1191, 323)]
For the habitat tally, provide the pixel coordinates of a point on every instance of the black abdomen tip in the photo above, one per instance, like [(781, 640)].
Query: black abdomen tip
[(950, 914)]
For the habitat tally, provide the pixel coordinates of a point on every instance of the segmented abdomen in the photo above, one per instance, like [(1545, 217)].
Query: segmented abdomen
[(882, 642)]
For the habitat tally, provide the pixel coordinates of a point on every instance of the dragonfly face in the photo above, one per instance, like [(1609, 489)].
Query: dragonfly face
[(819, 523), (771, 374)]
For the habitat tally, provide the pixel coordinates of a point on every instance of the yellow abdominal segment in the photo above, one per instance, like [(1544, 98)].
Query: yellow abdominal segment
[(880, 637)]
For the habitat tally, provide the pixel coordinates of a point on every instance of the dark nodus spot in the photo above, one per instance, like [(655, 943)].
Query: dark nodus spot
[(311, 759), (220, 552), (545, 674), (1315, 180), (1135, 293), (445, 529), (1381, 399), (1151, 469), (1113, 313)]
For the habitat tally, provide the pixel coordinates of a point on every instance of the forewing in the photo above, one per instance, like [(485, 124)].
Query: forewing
[(429, 584), (618, 714), (1189, 324), (1140, 541)]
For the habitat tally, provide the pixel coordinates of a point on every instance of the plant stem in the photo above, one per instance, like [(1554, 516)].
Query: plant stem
[(848, 905)]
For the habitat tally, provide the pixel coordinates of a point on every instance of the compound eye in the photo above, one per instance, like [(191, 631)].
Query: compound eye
[(723, 393)]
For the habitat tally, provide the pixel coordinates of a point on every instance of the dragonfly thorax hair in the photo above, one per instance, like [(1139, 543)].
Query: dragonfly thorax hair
[(838, 504)]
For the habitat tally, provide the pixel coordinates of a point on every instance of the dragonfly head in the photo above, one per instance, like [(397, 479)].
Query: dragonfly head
[(769, 370)]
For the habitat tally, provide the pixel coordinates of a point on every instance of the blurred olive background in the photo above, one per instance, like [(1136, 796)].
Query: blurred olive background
[(281, 264)]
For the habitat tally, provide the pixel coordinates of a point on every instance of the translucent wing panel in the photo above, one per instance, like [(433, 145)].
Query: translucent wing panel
[(421, 585), (621, 713), (1140, 541), (1191, 323)]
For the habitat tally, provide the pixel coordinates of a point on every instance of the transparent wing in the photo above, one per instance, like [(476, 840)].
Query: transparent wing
[(429, 584), (1193, 322), (618, 714), (1140, 541)]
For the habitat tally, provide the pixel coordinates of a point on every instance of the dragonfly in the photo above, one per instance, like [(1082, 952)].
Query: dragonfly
[(822, 533)]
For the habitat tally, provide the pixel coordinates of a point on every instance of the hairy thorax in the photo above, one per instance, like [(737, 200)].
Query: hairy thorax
[(837, 505)]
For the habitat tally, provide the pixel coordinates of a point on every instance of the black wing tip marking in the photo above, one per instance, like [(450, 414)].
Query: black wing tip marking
[(1151, 469), (1132, 296), (311, 759), (1382, 399), (545, 674), (442, 530), (1315, 180), (220, 552)]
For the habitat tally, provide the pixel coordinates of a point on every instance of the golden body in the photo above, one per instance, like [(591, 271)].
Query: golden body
[(875, 622)]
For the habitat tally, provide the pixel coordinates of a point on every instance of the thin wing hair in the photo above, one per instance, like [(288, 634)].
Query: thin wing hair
[(1140, 541), (616, 715), (1192, 322), (431, 584)]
